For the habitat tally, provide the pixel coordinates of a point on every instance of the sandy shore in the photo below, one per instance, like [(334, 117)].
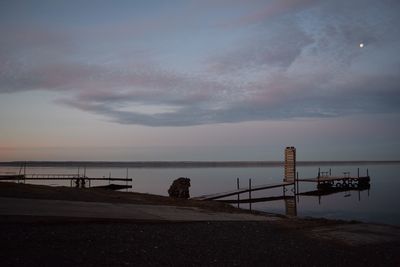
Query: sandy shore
[(72, 241)]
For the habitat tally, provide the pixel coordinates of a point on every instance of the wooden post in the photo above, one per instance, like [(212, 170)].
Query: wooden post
[(250, 194), (238, 196), (127, 175), (297, 186), (319, 172), (358, 172), (24, 172)]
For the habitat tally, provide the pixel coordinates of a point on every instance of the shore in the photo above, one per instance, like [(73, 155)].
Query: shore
[(186, 164), (50, 240)]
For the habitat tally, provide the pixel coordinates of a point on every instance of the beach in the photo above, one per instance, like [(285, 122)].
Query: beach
[(32, 240)]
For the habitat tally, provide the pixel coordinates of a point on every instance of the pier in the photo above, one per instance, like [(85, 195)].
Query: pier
[(76, 180), (326, 184), (241, 190)]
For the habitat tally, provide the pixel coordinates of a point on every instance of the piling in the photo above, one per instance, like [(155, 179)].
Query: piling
[(238, 195), (297, 187), (250, 194)]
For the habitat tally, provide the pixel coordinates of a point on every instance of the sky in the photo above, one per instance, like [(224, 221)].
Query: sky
[(199, 80)]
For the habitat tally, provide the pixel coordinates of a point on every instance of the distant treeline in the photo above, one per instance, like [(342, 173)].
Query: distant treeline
[(183, 164)]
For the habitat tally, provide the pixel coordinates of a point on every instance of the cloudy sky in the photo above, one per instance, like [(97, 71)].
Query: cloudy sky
[(199, 80)]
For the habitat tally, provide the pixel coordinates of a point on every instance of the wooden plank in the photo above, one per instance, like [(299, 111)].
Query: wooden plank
[(9, 177), (112, 187), (255, 200)]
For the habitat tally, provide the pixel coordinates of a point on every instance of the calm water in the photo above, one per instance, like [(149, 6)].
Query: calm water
[(378, 204)]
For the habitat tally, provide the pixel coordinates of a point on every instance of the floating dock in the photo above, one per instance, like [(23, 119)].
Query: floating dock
[(337, 181)]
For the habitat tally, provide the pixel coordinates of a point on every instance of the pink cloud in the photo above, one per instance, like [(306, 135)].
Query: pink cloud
[(271, 10)]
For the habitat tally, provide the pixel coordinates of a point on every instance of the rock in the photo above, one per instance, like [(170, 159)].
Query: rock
[(180, 188)]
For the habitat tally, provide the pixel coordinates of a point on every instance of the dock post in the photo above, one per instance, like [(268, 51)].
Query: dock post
[(238, 196), (358, 172), (84, 172), (319, 172), (250, 194), (297, 186), (25, 172), (367, 173), (127, 175)]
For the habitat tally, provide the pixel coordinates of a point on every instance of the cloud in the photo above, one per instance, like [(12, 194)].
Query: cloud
[(277, 46), (271, 10), (287, 65)]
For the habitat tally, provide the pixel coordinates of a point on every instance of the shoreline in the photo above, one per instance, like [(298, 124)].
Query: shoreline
[(94, 195), (186, 164)]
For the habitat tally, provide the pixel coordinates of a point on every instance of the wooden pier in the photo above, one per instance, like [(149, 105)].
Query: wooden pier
[(241, 190), (77, 180), (326, 184), (59, 177)]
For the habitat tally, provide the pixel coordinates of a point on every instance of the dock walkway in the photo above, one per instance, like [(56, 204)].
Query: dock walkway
[(59, 177), (241, 190)]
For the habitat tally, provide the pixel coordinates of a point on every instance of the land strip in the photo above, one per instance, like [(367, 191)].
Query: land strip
[(103, 228)]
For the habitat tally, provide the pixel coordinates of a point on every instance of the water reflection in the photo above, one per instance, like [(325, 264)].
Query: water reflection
[(291, 201), (290, 206)]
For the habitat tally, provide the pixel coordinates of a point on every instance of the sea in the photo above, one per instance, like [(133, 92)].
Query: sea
[(376, 204)]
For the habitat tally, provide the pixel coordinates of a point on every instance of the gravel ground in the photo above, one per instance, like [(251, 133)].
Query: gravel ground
[(117, 243), (60, 241)]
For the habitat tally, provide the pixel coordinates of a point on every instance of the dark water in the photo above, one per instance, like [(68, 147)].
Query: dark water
[(379, 204)]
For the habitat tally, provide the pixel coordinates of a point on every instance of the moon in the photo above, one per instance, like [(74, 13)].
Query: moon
[(361, 45)]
